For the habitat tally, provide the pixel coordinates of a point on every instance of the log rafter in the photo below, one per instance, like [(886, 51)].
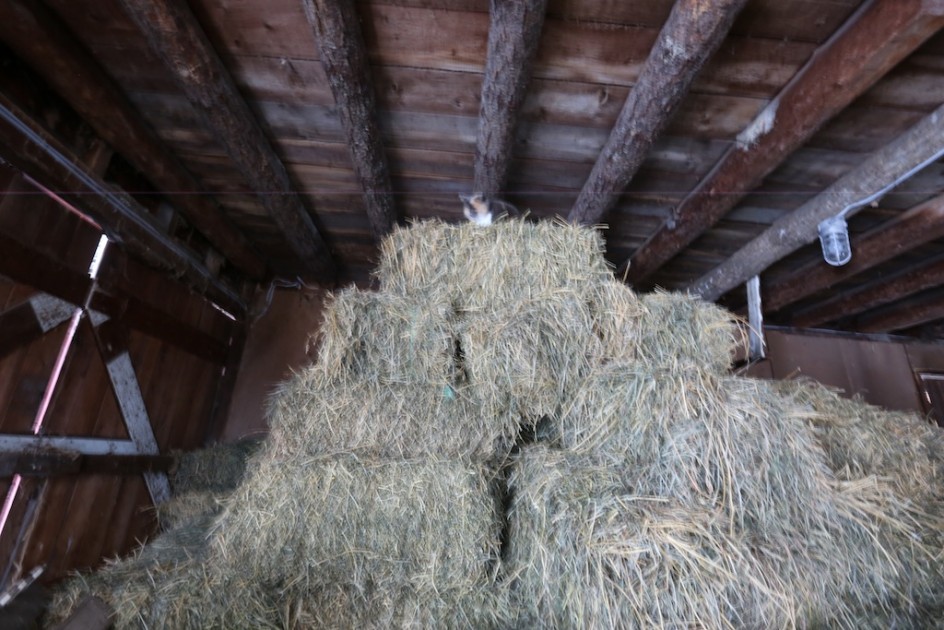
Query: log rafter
[(876, 37), (174, 34)]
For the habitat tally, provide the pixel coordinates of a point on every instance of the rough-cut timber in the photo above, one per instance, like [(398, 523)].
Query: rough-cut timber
[(344, 59), (903, 315), (513, 36), (874, 40), (37, 35), (29, 147), (30, 320), (913, 148), (173, 33), (917, 226), (884, 291), (694, 30), (52, 462)]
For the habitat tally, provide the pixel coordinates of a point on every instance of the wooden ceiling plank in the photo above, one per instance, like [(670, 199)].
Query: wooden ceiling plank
[(38, 36), (913, 148), (513, 37), (33, 150), (344, 58), (917, 226), (887, 290), (876, 38), (173, 32), (691, 34), (902, 316)]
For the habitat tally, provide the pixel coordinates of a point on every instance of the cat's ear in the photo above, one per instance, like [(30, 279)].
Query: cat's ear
[(466, 198)]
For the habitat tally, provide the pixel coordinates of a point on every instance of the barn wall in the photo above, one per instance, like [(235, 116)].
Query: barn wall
[(72, 523), (882, 371)]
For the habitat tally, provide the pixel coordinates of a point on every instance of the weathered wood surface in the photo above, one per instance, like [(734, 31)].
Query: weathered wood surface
[(902, 315), (37, 35), (344, 59), (916, 146), (874, 40), (692, 33), (30, 320), (52, 463), (513, 36), (174, 34)]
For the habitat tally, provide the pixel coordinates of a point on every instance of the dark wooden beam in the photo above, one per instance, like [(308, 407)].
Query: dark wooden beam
[(513, 35), (40, 38), (902, 315), (30, 148), (916, 146), (56, 463), (875, 294), (226, 385), (920, 224), (694, 30), (118, 276), (30, 320), (174, 34), (878, 36), (344, 59)]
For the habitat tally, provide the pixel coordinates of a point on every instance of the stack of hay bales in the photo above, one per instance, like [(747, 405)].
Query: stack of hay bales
[(397, 487)]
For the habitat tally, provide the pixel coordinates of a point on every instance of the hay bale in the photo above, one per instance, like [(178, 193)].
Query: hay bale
[(475, 269), (383, 420), (386, 339), (681, 332), (528, 359), (184, 508), (618, 319), (217, 468)]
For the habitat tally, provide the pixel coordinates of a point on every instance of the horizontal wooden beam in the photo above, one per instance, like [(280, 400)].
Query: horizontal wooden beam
[(694, 30), (55, 463), (344, 59), (117, 297), (884, 291), (33, 150), (26, 322), (902, 315), (917, 226), (919, 145), (174, 34), (878, 36), (38, 36), (513, 36), (13, 443)]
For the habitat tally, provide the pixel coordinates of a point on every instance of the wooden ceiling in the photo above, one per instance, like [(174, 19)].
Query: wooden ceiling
[(288, 135)]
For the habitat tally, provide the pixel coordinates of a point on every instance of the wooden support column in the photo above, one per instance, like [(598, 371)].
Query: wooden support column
[(513, 35), (903, 315), (30, 148), (30, 320), (913, 148), (694, 30), (919, 225), (39, 37), (344, 59), (112, 346), (884, 291), (226, 384), (878, 36), (173, 33)]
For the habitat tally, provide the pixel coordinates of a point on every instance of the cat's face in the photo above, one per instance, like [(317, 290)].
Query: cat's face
[(476, 209)]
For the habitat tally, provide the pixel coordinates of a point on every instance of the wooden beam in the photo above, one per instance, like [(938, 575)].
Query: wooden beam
[(917, 226), (177, 38), (344, 59), (111, 338), (513, 35), (884, 291), (902, 315), (118, 277), (36, 152), (915, 147), (226, 384), (878, 36), (39, 37), (694, 30), (30, 320), (12, 443), (53, 463)]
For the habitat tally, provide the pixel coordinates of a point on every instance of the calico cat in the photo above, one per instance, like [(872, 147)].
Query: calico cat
[(482, 210)]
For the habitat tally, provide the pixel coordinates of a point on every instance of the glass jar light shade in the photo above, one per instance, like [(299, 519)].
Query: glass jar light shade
[(834, 239)]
